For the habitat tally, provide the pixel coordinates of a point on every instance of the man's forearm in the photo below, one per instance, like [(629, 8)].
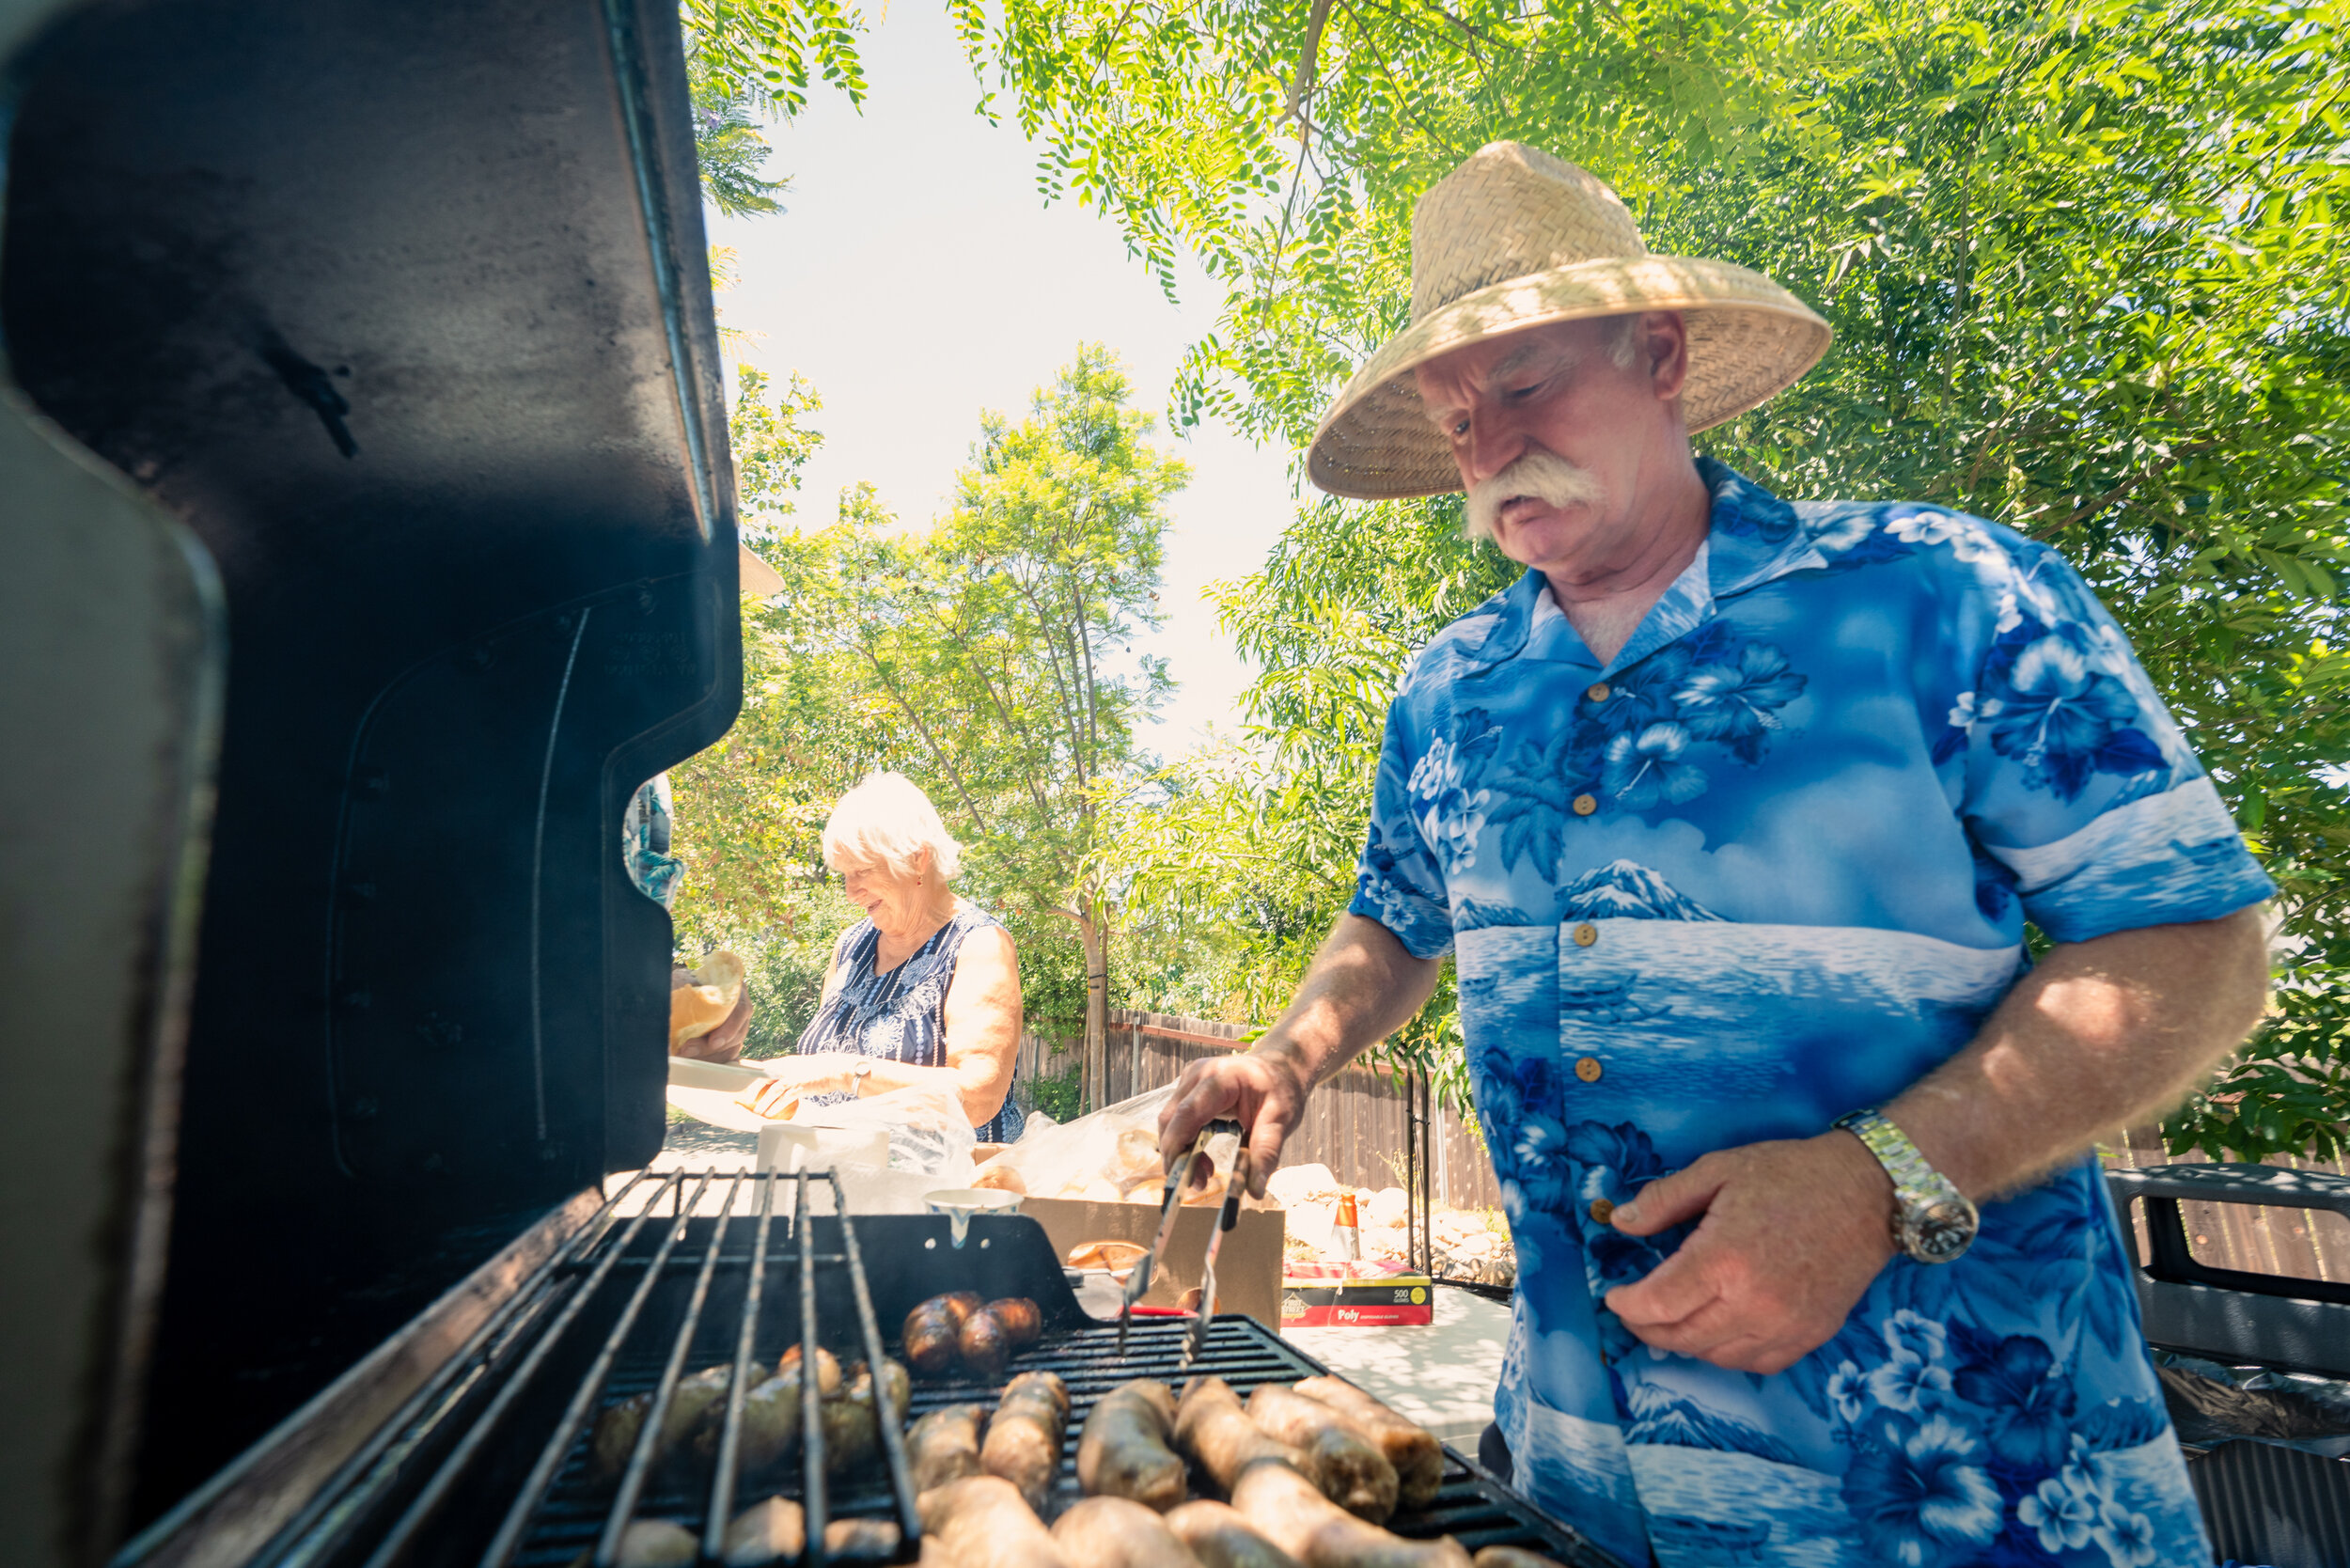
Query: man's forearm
[(2100, 1034), (1362, 986)]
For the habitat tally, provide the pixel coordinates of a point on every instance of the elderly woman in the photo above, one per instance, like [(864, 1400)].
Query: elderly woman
[(924, 992)]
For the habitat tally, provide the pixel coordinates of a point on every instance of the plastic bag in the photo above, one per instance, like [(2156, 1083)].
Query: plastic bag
[(1109, 1155), (927, 1130), (2210, 1403)]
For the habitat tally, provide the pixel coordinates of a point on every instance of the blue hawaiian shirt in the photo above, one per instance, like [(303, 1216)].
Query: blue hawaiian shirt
[(1769, 865)]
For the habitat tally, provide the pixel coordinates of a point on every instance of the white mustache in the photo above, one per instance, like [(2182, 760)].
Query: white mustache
[(1540, 474)]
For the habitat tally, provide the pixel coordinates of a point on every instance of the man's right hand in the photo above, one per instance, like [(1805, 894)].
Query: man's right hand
[(1265, 1089)]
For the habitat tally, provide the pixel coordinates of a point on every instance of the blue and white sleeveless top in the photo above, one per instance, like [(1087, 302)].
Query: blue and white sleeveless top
[(899, 1014)]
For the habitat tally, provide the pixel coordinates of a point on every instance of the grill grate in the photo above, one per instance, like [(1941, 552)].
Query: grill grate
[(487, 1465)]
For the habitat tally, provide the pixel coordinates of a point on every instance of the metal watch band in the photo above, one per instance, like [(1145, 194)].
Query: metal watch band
[(1933, 1222)]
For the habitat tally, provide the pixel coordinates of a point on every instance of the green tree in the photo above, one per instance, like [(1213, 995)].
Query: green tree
[(1003, 641), (759, 53), (990, 658), (2084, 263)]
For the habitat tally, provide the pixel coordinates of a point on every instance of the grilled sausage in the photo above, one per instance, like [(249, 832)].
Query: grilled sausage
[(930, 1331), (698, 1403), (1294, 1515), (983, 1345), (979, 1522), (828, 1370), (1413, 1449), (1212, 1428), (656, 1544), (860, 1540), (1112, 1532), (772, 1531), (1020, 1320), (944, 1446), (851, 1429), (1349, 1467), (618, 1427), (1023, 1437), (1511, 1556), (1125, 1449), (1220, 1538), (897, 1389), (693, 1405), (771, 1425)]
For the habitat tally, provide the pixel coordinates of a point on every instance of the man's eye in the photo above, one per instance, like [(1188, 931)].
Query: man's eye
[(1460, 429), (1519, 394)]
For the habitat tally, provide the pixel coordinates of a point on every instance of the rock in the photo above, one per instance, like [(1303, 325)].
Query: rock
[(1295, 1184), (1311, 1221), (1387, 1206)]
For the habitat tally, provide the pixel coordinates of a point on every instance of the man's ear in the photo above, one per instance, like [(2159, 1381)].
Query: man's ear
[(1665, 345)]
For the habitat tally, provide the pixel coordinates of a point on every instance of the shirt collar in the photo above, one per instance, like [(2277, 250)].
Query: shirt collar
[(1752, 537)]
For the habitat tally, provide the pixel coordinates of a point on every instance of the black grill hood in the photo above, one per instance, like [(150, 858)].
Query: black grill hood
[(401, 308)]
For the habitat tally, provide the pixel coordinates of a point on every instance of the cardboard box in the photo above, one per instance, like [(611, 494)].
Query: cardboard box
[(1247, 1266), (1368, 1295)]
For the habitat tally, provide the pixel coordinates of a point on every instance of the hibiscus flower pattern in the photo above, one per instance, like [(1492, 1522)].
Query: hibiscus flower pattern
[(2053, 693), (1640, 741), (1447, 798), (1965, 1446)]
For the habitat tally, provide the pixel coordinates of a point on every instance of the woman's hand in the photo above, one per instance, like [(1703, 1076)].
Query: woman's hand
[(1265, 1089)]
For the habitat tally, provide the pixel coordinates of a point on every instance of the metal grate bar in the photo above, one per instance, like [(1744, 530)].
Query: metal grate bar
[(567, 1512), (812, 1499), (892, 1440), (312, 1533), (648, 1436), (731, 1437), (526, 1502), (427, 1502)]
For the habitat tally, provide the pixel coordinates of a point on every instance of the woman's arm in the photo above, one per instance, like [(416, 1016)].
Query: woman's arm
[(983, 1021), (982, 1038)]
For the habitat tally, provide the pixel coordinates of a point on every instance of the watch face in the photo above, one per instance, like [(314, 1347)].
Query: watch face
[(1942, 1232)]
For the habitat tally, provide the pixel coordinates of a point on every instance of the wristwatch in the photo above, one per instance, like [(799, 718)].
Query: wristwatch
[(857, 1075), (1933, 1221)]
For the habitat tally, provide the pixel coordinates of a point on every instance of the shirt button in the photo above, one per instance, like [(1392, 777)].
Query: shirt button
[(1586, 804), (1588, 1068), (1596, 691), (1585, 936), (1603, 1210)]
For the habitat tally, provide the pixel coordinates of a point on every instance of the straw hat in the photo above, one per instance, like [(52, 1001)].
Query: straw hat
[(1513, 238), (754, 576)]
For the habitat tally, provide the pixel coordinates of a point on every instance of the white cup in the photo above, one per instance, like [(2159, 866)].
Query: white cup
[(959, 1203)]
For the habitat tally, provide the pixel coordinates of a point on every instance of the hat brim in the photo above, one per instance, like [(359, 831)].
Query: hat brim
[(1749, 339), (754, 575)]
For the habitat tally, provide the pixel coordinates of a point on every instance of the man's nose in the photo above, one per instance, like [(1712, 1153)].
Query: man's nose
[(1494, 442)]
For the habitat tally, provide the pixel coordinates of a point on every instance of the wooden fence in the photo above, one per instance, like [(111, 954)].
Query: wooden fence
[(1354, 1125)]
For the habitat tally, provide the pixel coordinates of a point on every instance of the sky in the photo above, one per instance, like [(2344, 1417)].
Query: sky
[(916, 277)]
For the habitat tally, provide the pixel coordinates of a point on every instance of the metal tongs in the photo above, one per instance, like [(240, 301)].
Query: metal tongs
[(1235, 1183), (1181, 1176)]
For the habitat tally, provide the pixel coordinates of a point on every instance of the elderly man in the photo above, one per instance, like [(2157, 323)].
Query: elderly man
[(1731, 812)]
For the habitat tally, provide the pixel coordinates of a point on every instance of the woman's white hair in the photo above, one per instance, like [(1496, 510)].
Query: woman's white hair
[(887, 821)]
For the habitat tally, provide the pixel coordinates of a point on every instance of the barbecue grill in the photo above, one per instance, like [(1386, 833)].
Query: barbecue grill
[(370, 539), (485, 1461)]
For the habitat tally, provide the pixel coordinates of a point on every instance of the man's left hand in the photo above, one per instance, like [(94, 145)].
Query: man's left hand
[(1791, 1234)]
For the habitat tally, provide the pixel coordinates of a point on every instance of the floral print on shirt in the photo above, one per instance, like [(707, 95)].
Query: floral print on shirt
[(1769, 865)]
